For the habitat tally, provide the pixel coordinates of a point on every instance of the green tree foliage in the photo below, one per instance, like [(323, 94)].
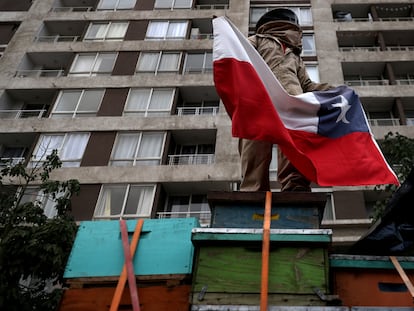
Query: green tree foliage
[(33, 248), (399, 153)]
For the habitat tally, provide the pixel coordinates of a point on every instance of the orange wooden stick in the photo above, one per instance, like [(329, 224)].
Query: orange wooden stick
[(116, 299), (265, 253)]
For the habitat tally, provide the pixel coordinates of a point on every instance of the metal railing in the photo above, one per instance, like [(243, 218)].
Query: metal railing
[(404, 81), (369, 19), (36, 73), (11, 161), (201, 36), (182, 111), (22, 113), (56, 38), (72, 9), (203, 217), (212, 6), (410, 121), (190, 159), (197, 70), (366, 82), (376, 48), (384, 122)]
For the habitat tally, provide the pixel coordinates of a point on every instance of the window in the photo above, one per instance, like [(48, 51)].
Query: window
[(14, 154), (93, 64), (193, 154), (77, 103), (199, 62), (313, 72), (167, 30), (273, 164), (142, 148), (128, 200), (113, 5), (149, 102), (308, 45), (70, 147), (188, 206), (173, 4), (304, 14), (111, 31), (158, 62), (46, 202)]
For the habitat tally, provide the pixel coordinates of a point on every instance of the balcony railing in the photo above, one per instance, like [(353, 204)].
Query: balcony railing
[(366, 82), (39, 73), (56, 38), (203, 217), (212, 7), (404, 81), (190, 159), (202, 36), (21, 114), (410, 121), (183, 111), (11, 161), (369, 19), (375, 48), (384, 122), (73, 9), (198, 70)]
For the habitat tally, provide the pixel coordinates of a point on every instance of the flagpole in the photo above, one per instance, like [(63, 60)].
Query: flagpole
[(265, 253)]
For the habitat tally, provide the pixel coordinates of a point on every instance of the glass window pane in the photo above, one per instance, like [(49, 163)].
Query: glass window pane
[(256, 13), (97, 31), (163, 4), (177, 30), (83, 64), (313, 73), (117, 31), (308, 45), (138, 99), (139, 200), (126, 4), (148, 62), (194, 62), (111, 200), (157, 30), (162, 99), (90, 100), (124, 150), (183, 4), (46, 144), (107, 4), (169, 62), (104, 63), (73, 149), (305, 16), (151, 145), (68, 101)]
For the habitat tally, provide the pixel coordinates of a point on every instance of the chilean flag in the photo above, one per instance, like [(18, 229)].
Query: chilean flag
[(325, 134)]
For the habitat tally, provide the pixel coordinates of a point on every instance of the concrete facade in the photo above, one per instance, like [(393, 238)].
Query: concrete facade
[(33, 73)]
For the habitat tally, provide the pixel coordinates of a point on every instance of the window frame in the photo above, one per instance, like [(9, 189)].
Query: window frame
[(116, 5), (165, 35), (148, 111), (107, 29), (140, 211), (91, 72), (172, 5), (75, 113), (157, 69), (204, 68), (136, 159)]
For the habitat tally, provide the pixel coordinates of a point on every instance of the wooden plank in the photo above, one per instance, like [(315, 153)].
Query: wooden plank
[(152, 298), (129, 267), (255, 235), (403, 275), (165, 248), (123, 277), (270, 308), (234, 269), (265, 254), (369, 262)]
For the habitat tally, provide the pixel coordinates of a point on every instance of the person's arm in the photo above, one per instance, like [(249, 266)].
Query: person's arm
[(307, 84)]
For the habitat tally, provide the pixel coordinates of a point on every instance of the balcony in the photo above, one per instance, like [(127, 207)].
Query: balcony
[(21, 104), (211, 4), (384, 122), (190, 159), (202, 100), (15, 147), (368, 12), (183, 111), (74, 5), (48, 64), (61, 31), (366, 82)]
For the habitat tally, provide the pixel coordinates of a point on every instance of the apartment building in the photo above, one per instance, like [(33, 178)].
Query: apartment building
[(124, 90)]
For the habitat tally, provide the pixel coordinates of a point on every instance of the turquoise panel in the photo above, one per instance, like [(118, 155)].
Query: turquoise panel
[(164, 247)]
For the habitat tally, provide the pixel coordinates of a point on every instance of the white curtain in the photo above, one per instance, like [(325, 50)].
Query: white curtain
[(162, 99), (126, 4), (125, 149), (107, 4), (90, 100), (163, 4), (183, 4), (139, 202), (169, 62), (83, 64), (46, 144), (97, 31), (157, 30), (117, 30), (67, 101), (177, 30), (104, 63), (148, 62), (138, 99), (111, 201), (73, 148), (150, 148)]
